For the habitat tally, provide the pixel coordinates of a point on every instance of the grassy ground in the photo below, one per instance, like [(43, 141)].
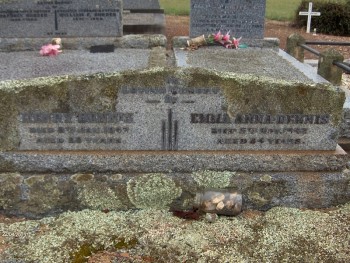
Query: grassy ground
[(283, 10)]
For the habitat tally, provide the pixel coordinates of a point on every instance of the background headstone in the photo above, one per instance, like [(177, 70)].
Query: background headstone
[(143, 17), (60, 18), (140, 4), (245, 18)]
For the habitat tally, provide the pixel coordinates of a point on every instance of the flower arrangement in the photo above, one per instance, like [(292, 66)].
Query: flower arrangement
[(224, 40), (217, 38)]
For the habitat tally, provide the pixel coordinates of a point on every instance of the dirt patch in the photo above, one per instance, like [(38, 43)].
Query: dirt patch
[(179, 26)]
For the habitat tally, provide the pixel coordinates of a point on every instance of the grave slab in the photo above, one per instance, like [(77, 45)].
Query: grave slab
[(260, 62), (28, 64)]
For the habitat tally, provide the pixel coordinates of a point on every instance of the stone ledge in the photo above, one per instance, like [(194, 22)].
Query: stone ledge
[(80, 43), (273, 43), (175, 161)]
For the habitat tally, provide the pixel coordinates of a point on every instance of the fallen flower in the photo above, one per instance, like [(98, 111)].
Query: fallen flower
[(50, 50)]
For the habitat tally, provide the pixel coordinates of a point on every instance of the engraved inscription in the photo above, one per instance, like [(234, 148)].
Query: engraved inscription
[(243, 129), (243, 18), (60, 18), (171, 118), (76, 131)]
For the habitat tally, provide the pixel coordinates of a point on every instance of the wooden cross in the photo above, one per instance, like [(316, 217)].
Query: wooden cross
[(309, 14)]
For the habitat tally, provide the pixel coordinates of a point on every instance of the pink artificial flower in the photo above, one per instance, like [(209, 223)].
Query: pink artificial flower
[(50, 50), (236, 42), (218, 36), (226, 37)]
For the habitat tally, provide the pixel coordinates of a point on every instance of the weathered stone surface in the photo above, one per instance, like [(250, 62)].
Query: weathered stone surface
[(327, 69), (84, 43), (242, 18), (21, 19), (169, 109), (256, 61), (47, 194), (143, 23), (27, 65)]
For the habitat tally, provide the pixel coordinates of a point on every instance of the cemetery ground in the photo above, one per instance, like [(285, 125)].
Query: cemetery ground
[(278, 235)]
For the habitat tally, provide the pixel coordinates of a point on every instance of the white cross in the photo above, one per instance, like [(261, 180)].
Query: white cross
[(309, 14)]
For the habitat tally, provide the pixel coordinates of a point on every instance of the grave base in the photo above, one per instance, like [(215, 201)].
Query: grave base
[(37, 184), (82, 43), (143, 23)]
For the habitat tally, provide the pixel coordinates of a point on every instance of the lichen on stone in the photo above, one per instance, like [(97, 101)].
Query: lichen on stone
[(266, 178), (97, 195), (153, 190), (279, 235), (257, 199), (213, 179), (43, 193), (9, 189), (82, 177)]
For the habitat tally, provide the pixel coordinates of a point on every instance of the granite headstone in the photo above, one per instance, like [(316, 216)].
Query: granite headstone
[(244, 18), (143, 17), (189, 109), (60, 18)]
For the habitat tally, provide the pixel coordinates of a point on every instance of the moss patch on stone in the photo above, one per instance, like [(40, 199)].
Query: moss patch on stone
[(152, 191), (279, 235), (43, 193), (97, 195), (9, 189), (213, 179)]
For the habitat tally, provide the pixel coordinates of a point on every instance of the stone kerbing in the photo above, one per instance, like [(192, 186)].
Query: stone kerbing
[(152, 191)]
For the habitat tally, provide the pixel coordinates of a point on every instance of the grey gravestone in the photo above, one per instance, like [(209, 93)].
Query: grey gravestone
[(60, 18), (140, 4), (143, 17), (245, 18)]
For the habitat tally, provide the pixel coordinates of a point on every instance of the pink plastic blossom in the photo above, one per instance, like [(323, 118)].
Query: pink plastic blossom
[(226, 37), (218, 36), (50, 50), (236, 42)]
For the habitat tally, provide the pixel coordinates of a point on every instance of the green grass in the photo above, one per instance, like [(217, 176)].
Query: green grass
[(176, 7), (283, 10)]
